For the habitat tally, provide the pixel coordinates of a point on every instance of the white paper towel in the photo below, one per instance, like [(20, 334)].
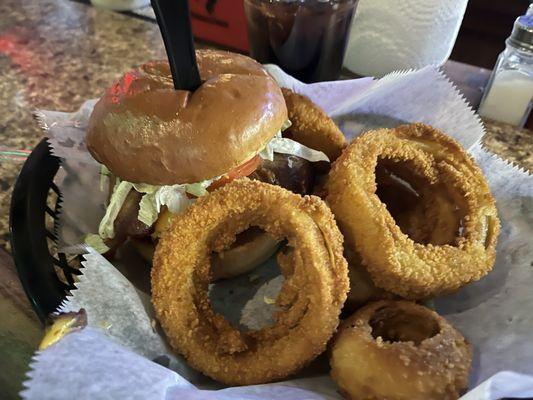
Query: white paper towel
[(389, 35)]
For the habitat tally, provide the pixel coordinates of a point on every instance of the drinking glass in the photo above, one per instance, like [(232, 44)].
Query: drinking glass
[(306, 38)]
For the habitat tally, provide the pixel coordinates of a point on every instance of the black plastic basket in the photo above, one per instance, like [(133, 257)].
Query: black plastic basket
[(46, 275)]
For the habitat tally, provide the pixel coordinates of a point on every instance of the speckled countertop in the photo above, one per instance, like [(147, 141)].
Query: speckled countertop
[(54, 54)]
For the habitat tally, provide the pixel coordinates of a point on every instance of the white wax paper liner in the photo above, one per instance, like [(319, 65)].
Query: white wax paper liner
[(114, 372), (122, 312), (495, 323), (495, 312)]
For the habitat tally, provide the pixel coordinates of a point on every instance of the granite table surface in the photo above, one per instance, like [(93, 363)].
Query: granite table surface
[(54, 54)]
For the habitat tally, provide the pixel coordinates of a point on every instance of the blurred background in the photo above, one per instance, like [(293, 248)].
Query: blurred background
[(486, 25)]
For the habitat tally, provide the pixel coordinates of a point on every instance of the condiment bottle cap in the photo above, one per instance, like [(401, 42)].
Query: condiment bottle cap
[(522, 35)]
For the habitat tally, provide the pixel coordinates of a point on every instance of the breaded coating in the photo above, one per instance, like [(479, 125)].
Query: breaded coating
[(311, 126), (310, 300), (362, 288), (426, 216), (398, 350), (432, 163)]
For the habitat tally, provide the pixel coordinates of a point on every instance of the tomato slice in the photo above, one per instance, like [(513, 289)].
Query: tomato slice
[(242, 170)]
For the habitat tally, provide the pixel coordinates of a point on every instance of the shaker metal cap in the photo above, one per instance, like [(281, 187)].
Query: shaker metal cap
[(522, 34)]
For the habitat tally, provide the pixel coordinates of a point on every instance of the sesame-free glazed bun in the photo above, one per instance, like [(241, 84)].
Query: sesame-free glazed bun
[(145, 131)]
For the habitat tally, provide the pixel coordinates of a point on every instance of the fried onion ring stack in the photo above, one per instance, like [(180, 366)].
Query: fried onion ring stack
[(399, 350), (316, 282), (452, 233), (362, 288)]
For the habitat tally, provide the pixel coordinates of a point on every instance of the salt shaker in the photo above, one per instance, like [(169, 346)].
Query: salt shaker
[(509, 93)]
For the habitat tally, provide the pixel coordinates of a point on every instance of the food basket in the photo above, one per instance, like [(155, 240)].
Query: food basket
[(46, 274)]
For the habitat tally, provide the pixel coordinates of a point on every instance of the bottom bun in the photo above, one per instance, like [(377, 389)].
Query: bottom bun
[(252, 248)]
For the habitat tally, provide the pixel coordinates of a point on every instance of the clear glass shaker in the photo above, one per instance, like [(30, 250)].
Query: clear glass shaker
[(509, 93)]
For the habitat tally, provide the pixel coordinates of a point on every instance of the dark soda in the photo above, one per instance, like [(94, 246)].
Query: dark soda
[(306, 38)]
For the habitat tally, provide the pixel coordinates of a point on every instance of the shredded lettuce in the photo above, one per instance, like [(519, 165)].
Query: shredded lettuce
[(104, 177), (286, 125), (174, 197), (268, 152), (145, 188), (106, 229), (289, 146), (148, 209), (279, 144), (96, 242), (198, 189)]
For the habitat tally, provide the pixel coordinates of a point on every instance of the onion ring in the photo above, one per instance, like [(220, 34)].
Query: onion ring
[(425, 214), (310, 300), (399, 350), (426, 217), (311, 126), (362, 288), (431, 162)]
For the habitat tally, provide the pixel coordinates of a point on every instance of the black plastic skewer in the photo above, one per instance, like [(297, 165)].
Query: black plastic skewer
[(174, 20)]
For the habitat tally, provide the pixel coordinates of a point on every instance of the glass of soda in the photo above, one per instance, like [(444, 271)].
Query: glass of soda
[(306, 38)]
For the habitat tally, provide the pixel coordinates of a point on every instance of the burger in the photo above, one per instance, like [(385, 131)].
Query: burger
[(162, 148)]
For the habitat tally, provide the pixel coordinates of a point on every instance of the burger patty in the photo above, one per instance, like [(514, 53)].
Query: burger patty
[(288, 171)]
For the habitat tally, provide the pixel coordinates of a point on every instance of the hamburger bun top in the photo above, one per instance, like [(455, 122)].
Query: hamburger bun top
[(145, 131)]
